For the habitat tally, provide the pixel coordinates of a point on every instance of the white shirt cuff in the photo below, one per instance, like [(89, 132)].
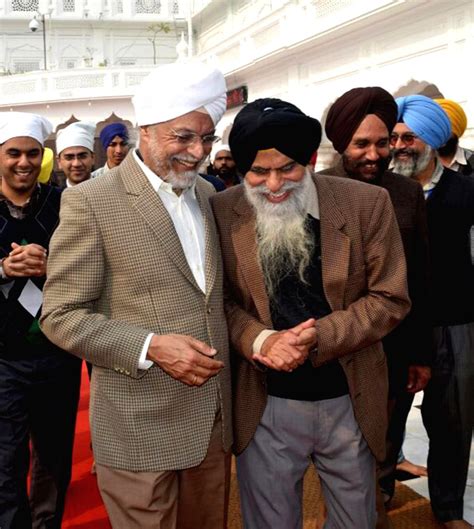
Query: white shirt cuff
[(143, 363), (258, 342)]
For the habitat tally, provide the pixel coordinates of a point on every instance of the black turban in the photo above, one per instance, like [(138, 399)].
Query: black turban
[(273, 124), (347, 113)]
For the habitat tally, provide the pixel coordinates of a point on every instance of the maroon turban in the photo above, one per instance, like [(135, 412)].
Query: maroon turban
[(347, 113)]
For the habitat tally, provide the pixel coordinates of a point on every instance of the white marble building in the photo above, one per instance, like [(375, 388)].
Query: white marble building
[(311, 51), (308, 51), (87, 33), (89, 59)]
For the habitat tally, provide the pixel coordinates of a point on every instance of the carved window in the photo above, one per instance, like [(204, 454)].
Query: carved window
[(174, 7), (25, 5), (69, 6), (22, 67), (147, 6)]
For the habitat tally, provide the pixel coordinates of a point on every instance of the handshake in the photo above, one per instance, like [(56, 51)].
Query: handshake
[(286, 350)]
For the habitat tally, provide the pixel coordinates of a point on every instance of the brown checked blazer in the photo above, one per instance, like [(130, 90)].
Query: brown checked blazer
[(411, 343), (117, 272), (364, 278)]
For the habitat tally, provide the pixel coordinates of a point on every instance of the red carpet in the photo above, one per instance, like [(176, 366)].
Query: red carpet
[(84, 507)]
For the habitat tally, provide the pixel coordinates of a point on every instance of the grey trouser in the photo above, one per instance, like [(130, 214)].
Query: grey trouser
[(448, 416), (291, 433)]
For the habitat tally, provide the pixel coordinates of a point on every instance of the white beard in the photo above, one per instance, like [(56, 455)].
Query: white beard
[(180, 180), (163, 168), (414, 165), (284, 243)]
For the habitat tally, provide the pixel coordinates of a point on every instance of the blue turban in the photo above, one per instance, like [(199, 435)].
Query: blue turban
[(110, 131), (425, 118)]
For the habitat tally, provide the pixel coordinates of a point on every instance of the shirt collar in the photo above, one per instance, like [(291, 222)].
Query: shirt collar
[(158, 183), (459, 157), (435, 177), (20, 212)]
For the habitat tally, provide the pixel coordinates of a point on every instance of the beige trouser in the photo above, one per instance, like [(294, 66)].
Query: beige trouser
[(183, 499)]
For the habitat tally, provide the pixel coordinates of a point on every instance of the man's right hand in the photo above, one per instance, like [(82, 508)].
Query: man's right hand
[(184, 358), (286, 350)]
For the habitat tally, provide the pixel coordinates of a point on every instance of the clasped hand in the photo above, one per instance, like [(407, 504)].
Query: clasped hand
[(286, 350), (26, 261)]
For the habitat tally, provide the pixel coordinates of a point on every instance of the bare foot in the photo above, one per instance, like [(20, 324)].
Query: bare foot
[(416, 470), (458, 524)]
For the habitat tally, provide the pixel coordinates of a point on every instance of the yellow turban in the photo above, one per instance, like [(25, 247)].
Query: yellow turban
[(456, 115), (46, 166)]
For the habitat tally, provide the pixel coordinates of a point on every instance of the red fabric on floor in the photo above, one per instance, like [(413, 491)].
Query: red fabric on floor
[(84, 507)]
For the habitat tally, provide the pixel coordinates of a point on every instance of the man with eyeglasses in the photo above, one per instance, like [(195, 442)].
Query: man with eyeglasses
[(75, 152), (448, 404), (359, 124), (135, 287)]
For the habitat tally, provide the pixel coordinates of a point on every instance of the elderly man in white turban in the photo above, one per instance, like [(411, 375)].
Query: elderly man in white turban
[(39, 383), (75, 151), (135, 287)]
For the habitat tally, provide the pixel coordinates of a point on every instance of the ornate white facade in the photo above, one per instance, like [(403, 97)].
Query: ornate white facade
[(88, 33), (311, 51), (96, 52), (307, 51)]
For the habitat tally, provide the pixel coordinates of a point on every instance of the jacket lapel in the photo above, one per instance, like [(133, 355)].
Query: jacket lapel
[(335, 245), (245, 247), (150, 207), (211, 240)]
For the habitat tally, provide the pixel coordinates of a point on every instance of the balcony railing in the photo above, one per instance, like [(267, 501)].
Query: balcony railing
[(87, 83)]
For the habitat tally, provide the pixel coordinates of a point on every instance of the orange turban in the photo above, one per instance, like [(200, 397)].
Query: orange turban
[(456, 115)]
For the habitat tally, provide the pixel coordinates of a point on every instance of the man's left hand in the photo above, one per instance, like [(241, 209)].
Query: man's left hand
[(418, 377)]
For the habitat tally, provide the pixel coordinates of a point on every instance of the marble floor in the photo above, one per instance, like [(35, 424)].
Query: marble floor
[(416, 450)]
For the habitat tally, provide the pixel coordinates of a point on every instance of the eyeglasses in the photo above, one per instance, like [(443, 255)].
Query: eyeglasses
[(408, 138), (188, 137)]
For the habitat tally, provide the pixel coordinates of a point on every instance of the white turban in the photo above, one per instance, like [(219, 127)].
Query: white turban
[(16, 124), (218, 147), (175, 89), (78, 134)]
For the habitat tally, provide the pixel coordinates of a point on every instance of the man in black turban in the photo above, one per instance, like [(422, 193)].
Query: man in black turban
[(359, 124), (268, 123), (306, 316)]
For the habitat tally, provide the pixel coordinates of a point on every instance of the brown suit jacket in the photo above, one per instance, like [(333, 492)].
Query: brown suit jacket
[(364, 278), (117, 272), (411, 342)]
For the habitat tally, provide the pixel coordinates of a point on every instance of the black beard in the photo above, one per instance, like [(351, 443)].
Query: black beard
[(224, 171), (351, 168), (450, 147)]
